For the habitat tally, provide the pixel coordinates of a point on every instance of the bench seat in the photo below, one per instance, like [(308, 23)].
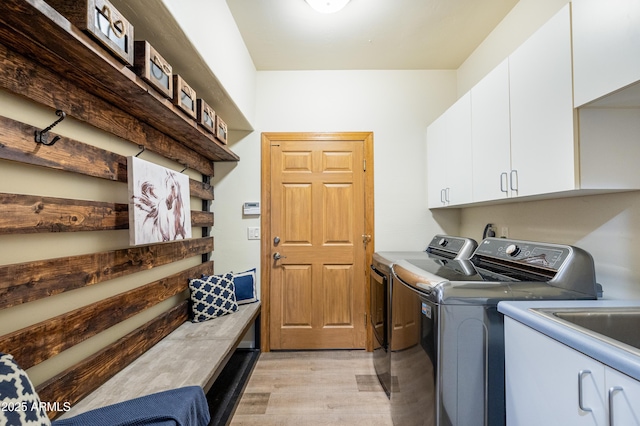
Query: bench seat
[(191, 355)]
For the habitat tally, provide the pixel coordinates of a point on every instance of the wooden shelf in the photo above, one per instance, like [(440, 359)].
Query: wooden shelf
[(35, 30), (154, 22)]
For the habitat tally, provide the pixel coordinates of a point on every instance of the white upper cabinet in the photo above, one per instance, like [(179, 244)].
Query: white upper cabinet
[(459, 169), (491, 135), (436, 162), (606, 47), (449, 156), (517, 133), (543, 149)]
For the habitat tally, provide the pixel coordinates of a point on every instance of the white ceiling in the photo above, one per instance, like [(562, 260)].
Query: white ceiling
[(366, 34)]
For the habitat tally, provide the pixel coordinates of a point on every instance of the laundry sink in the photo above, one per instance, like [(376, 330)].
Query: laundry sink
[(617, 326)]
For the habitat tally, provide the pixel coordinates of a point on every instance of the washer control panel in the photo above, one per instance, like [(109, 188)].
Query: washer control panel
[(544, 255), (458, 247)]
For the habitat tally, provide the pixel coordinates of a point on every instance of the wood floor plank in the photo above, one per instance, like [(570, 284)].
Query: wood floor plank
[(288, 382), (326, 402), (314, 388), (363, 419)]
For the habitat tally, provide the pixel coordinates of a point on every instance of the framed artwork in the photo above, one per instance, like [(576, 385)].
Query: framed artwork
[(159, 203)]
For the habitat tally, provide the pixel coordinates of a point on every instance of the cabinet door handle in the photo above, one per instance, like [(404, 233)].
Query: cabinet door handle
[(581, 375), (503, 182), (514, 182), (612, 391), (442, 196), (446, 195)]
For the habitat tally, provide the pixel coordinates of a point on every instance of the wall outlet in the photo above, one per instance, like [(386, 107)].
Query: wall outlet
[(253, 233), (504, 232)]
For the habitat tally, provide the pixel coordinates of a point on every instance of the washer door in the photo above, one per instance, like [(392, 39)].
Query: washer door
[(414, 358), (379, 323), (378, 292)]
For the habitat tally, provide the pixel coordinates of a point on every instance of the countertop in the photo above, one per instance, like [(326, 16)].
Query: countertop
[(617, 358)]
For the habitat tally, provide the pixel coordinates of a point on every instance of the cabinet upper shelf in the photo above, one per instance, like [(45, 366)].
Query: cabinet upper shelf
[(36, 30)]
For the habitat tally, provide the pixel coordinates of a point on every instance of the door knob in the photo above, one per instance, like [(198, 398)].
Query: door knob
[(276, 241), (278, 256)]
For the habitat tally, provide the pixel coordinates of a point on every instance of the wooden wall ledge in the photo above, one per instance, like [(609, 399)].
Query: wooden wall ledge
[(30, 214), (36, 30), (17, 144), (25, 282)]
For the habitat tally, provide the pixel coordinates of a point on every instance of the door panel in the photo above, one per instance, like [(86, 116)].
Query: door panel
[(317, 289), (338, 297), (296, 296), (297, 206), (338, 214)]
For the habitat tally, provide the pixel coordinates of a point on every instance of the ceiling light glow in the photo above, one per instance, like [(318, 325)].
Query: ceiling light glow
[(327, 6)]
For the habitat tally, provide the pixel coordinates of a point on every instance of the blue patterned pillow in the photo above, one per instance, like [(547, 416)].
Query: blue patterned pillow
[(245, 283), (212, 297), (20, 404)]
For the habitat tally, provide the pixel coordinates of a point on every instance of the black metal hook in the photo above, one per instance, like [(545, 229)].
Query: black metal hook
[(185, 168), (42, 136), (142, 148)]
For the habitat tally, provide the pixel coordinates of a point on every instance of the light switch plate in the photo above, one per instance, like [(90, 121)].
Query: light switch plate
[(253, 233)]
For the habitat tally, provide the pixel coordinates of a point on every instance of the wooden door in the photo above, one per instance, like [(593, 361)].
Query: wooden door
[(316, 290)]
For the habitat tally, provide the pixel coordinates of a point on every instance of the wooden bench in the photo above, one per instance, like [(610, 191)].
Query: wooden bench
[(193, 354)]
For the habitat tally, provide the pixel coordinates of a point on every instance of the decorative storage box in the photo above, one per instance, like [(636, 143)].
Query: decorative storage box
[(153, 69), (206, 116), (102, 21), (184, 97), (221, 130)]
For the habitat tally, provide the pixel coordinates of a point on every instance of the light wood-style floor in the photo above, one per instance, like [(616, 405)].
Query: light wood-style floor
[(313, 388)]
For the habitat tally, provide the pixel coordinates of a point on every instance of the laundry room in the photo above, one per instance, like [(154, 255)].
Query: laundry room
[(152, 151)]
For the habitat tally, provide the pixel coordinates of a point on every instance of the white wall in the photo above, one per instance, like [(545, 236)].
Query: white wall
[(607, 226), (519, 24), (212, 30), (395, 105)]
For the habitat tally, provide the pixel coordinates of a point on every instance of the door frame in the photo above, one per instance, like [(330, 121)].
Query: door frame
[(265, 219)]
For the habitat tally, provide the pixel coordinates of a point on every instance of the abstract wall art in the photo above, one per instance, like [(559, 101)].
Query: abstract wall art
[(159, 207)]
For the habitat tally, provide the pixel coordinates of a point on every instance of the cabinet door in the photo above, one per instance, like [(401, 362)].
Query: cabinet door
[(542, 117), (436, 162), (449, 156), (491, 135), (547, 381), (606, 42), (624, 398), (459, 168)]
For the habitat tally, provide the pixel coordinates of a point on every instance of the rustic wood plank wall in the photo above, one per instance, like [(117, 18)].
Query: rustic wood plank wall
[(85, 377), (154, 277)]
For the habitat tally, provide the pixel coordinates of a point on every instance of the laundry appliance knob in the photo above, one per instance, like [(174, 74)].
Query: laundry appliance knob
[(512, 250)]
